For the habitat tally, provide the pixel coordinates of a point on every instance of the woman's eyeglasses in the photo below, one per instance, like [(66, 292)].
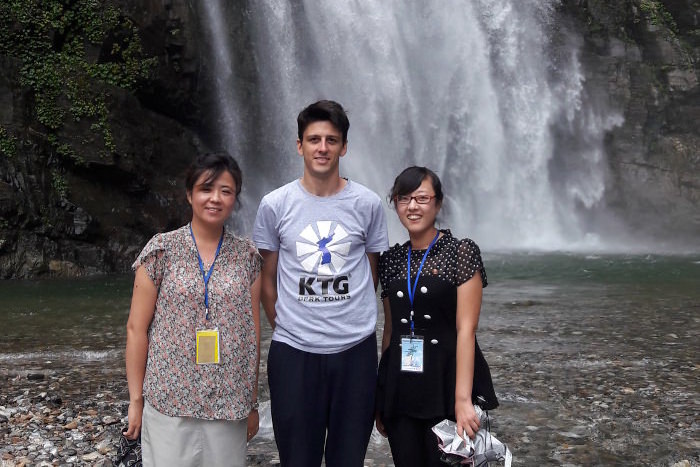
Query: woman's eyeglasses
[(420, 199)]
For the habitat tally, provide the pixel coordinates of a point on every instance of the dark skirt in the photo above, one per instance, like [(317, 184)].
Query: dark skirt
[(440, 398)]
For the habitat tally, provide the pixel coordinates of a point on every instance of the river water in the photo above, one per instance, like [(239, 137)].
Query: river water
[(595, 358)]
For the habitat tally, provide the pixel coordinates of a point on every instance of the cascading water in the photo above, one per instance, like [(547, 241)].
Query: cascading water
[(227, 108), (477, 90)]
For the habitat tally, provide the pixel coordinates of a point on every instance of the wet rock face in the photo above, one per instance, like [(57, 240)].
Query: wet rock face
[(111, 207), (169, 30), (643, 57), (93, 216)]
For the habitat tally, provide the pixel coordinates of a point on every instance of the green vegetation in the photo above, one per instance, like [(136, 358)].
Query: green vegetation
[(59, 184), (656, 14), (64, 150), (8, 143), (70, 53)]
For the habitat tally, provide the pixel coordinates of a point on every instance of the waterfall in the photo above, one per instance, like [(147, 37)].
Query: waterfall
[(224, 75), (488, 93)]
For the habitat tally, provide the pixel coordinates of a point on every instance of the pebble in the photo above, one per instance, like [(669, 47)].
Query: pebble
[(92, 457), (71, 426), (109, 420)]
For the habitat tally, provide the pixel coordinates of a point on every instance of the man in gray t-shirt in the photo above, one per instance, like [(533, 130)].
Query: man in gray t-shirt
[(320, 238)]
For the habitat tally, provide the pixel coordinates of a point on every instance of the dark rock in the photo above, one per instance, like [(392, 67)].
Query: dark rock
[(646, 57)]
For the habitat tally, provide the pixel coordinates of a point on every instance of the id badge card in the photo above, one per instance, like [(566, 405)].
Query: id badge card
[(208, 346), (412, 354)]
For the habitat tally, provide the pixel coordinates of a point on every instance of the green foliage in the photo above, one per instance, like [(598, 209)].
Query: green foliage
[(71, 52), (59, 184), (656, 14), (64, 150), (8, 143)]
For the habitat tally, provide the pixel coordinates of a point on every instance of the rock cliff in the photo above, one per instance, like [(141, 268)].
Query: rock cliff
[(90, 210), (641, 57)]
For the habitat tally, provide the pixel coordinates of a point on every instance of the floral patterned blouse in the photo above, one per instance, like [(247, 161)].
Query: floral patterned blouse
[(174, 384)]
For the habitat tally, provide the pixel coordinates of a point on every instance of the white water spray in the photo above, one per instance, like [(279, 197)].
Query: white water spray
[(220, 51), (471, 89)]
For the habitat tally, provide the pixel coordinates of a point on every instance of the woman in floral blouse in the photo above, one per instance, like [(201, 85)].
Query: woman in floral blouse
[(193, 334)]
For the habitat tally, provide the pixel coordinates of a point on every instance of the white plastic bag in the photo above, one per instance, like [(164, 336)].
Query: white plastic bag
[(479, 451)]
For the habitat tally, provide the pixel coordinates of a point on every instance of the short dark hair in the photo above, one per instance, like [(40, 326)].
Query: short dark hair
[(213, 163), (410, 179), (323, 111)]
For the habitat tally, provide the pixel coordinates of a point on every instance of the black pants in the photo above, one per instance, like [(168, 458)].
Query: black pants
[(322, 402), (412, 442)]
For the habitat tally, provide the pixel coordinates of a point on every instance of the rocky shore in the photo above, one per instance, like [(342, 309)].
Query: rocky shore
[(45, 419), (73, 417)]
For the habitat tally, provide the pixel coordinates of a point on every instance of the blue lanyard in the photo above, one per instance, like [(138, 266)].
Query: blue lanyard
[(206, 275), (412, 290)]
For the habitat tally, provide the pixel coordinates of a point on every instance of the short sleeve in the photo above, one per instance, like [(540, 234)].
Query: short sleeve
[(254, 262), (265, 235), (469, 262), (377, 237), (152, 258), (384, 273)]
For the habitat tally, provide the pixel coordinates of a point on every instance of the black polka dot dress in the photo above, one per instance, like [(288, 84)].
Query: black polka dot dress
[(430, 394)]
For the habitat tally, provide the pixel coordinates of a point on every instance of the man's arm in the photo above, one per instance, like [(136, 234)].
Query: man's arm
[(268, 295), (254, 416)]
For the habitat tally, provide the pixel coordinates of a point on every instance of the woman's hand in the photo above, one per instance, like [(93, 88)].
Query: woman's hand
[(253, 424), (467, 420), (135, 415)]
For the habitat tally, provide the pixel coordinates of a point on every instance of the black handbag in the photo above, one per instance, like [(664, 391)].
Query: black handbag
[(483, 393), (128, 452)]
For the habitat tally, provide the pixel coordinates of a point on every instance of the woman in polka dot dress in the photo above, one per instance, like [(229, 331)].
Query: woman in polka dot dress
[(431, 366)]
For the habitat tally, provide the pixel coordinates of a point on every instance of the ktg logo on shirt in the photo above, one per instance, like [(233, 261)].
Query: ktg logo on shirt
[(322, 253)]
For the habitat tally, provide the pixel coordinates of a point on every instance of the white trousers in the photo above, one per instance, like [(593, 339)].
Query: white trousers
[(191, 442)]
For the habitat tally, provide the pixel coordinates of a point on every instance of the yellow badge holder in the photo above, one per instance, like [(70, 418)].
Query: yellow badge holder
[(208, 347)]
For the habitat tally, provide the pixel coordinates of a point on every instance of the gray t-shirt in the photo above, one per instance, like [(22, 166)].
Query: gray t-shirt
[(326, 301)]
